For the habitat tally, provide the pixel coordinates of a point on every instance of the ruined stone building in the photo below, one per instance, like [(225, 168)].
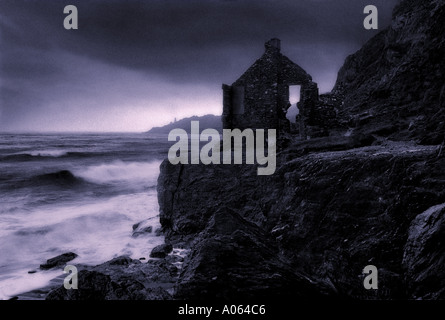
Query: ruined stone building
[(259, 99)]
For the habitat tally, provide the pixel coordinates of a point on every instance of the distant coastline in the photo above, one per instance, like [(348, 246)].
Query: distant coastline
[(207, 121)]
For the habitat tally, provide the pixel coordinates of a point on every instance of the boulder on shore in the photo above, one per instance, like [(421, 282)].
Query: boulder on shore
[(161, 251), (58, 261), (121, 278)]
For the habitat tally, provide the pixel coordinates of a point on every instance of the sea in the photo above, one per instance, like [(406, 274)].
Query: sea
[(78, 193)]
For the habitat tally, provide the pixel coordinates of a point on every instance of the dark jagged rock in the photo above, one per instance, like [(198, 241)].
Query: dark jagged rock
[(235, 259), (329, 213), (161, 251), (424, 255), (58, 261), (333, 206), (121, 279), (119, 261), (393, 86), (141, 228)]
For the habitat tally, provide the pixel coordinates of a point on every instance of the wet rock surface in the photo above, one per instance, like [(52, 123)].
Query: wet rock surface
[(322, 217), (121, 279), (161, 251), (393, 86), (142, 228), (424, 255), (235, 259), (58, 261), (374, 195)]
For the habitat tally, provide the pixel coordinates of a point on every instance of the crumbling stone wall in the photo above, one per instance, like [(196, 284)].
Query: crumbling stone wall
[(259, 99)]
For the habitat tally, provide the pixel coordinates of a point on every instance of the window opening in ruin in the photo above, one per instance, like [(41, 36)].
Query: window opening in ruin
[(294, 98)]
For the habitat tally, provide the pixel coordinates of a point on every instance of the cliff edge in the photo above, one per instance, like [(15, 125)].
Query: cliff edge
[(311, 228), (333, 206), (394, 85), (337, 204)]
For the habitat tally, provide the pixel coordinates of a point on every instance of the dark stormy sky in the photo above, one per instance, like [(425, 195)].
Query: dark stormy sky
[(135, 64)]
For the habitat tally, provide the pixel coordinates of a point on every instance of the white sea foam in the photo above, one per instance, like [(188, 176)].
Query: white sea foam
[(119, 171), (38, 222), (21, 279), (48, 153), (97, 231)]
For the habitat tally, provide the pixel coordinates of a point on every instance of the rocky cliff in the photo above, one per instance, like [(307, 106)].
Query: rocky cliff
[(311, 228), (337, 204), (333, 206), (394, 86)]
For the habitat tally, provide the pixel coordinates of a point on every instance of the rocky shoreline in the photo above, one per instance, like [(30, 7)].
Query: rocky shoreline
[(311, 228), (121, 278), (306, 232), (372, 193)]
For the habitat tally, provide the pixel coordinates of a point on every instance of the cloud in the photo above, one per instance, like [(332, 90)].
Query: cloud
[(142, 55), (97, 96)]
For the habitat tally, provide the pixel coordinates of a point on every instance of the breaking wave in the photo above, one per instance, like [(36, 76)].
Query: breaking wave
[(119, 171), (42, 154)]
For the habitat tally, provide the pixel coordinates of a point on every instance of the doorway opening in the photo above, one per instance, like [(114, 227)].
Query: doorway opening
[(294, 98)]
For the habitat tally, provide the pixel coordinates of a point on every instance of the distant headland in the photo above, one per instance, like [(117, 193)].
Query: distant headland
[(207, 121)]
